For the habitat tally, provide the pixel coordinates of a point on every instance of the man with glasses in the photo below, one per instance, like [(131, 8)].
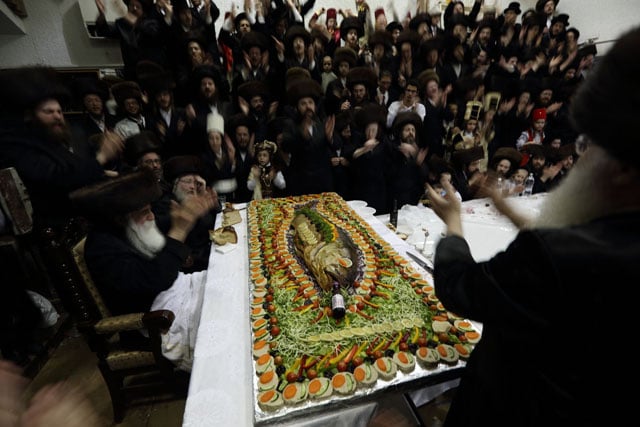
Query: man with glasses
[(142, 151), (185, 178)]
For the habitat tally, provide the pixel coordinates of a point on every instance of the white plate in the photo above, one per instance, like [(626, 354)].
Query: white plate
[(355, 204)]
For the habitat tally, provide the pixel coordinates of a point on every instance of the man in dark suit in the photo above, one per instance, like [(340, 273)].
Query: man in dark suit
[(36, 140), (166, 120), (307, 139), (241, 130), (95, 120)]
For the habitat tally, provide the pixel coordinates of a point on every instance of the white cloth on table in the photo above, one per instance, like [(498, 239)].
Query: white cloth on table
[(184, 299)]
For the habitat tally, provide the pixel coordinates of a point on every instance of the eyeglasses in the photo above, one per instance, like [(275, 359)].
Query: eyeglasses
[(192, 181), (582, 145)]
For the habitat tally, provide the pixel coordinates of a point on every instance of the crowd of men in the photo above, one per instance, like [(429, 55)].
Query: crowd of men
[(348, 101), (355, 104)]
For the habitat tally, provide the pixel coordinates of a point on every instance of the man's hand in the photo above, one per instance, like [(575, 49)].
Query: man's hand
[(447, 208), (329, 126), (12, 386), (409, 150), (101, 9), (185, 214), (231, 149), (110, 147), (371, 132), (60, 405)]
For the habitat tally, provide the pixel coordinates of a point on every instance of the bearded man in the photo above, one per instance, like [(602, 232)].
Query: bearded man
[(134, 265), (241, 130), (406, 175), (36, 140), (558, 267), (184, 177), (308, 141)]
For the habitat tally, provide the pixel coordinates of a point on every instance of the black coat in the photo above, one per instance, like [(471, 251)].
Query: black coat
[(540, 302), (49, 170), (370, 175), (83, 128), (310, 169), (126, 279)]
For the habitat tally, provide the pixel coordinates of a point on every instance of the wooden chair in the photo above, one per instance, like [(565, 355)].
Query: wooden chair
[(133, 374)]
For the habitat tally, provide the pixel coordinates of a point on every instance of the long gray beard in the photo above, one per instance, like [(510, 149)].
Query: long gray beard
[(583, 195), (146, 238)]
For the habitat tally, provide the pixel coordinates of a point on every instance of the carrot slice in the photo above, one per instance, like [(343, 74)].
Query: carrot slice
[(359, 374), (461, 349), (266, 378), (290, 391), (381, 364), (422, 352), (264, 359), (267, 396), (259, 344), (314, 386), (442, 351), (403, 358), (472, 335), (441, 318), (338, 380)]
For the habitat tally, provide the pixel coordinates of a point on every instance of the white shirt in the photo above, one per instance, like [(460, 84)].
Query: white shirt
[(398, 107)]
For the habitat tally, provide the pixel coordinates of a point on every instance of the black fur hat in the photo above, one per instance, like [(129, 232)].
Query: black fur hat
[(114, 197), (84, 86), (404, 118), (362, 75), (371, 113), (348, 23), (23, 88), (344, 54), (178, 166), (302, 88), (125, 90), (293, 32), (252, 88), (140, 144), (254, 38)]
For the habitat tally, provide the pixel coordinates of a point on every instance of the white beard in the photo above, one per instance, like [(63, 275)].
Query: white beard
[(583, 195), (145, 237), (180, 194)]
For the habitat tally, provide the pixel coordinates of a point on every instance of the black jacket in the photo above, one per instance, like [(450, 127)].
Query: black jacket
[(126, 279), (545, 354), (49, 170)]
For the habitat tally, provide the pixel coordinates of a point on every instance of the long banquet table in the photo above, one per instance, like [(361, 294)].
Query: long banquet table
[(221, 390)]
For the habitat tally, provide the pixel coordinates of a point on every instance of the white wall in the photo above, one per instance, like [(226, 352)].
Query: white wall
[(55, 32)]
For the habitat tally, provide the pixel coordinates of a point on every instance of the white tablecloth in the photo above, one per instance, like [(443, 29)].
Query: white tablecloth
[(221, 389)]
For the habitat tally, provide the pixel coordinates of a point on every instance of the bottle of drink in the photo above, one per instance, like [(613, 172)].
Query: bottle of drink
[(393, 216), (337, 302), (528, 185)]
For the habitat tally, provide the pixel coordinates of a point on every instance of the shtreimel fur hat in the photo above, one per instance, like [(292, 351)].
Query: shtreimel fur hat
[(119, 196), (140, 144), (24, 88)]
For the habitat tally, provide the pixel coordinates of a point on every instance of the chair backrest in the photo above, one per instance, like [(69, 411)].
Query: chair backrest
[(15, 201), (78, 256)]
